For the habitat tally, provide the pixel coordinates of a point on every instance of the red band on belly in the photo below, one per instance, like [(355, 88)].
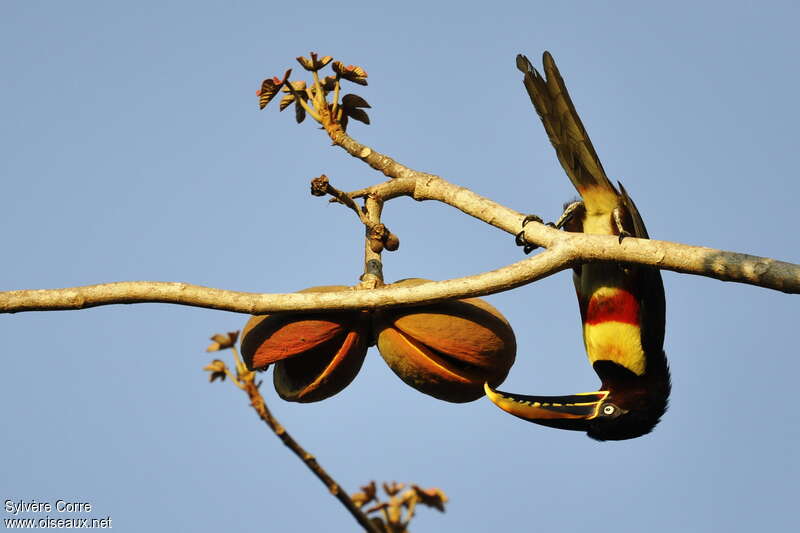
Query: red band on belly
[(612, 305)]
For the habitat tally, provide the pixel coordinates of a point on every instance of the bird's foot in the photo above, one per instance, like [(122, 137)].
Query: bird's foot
[(617, 213), (568, 214), (520, 237)]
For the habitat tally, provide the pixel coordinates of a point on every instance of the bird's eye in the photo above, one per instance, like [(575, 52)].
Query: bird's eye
[(609, 409)]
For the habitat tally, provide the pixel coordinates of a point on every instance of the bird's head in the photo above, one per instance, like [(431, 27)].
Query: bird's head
[(626, 407)]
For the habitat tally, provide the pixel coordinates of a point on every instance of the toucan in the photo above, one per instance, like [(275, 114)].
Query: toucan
[(622, 305)]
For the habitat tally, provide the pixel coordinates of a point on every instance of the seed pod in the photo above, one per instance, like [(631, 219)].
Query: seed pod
[(376, 245), (392, 242), (316, 355), (448, 349)]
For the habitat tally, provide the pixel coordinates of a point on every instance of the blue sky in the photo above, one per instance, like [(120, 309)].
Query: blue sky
[(132, 148)]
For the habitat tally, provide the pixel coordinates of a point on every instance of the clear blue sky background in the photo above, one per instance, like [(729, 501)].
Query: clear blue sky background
[(132, 148)]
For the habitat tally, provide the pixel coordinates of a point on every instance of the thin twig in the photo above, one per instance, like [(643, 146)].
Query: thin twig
[(309, 109), (412, 507), (376, 232), (257, 402), (373, 264), (383, 163), (335, 102), (321, 186), (343, 198)]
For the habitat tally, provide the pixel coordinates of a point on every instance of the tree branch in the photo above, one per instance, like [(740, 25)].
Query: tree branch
[(258, 404), (246, 380), (383, 163), (564, 250)]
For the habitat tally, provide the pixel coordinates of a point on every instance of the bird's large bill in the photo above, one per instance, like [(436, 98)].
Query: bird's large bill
[(564, 412)]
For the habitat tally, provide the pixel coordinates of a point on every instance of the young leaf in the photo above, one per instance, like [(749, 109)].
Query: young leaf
[(286, 101), (269, 88), (357, 114), (314, 63), (350, 72), (353, 101)]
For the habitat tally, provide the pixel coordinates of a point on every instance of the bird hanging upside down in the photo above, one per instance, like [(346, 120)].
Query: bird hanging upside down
[(622, 306)]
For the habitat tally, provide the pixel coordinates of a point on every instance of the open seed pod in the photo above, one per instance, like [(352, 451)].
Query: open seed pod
[(316, 355), (448, 349)]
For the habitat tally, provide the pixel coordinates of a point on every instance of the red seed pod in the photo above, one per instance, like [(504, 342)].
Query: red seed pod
[(316, 355), (448, 349)]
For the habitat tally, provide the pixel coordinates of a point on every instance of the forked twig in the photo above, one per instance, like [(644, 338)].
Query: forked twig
[(246, 380)]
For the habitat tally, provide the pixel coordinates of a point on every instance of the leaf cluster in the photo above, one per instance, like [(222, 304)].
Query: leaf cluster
[(319, 98), (394, 514)]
